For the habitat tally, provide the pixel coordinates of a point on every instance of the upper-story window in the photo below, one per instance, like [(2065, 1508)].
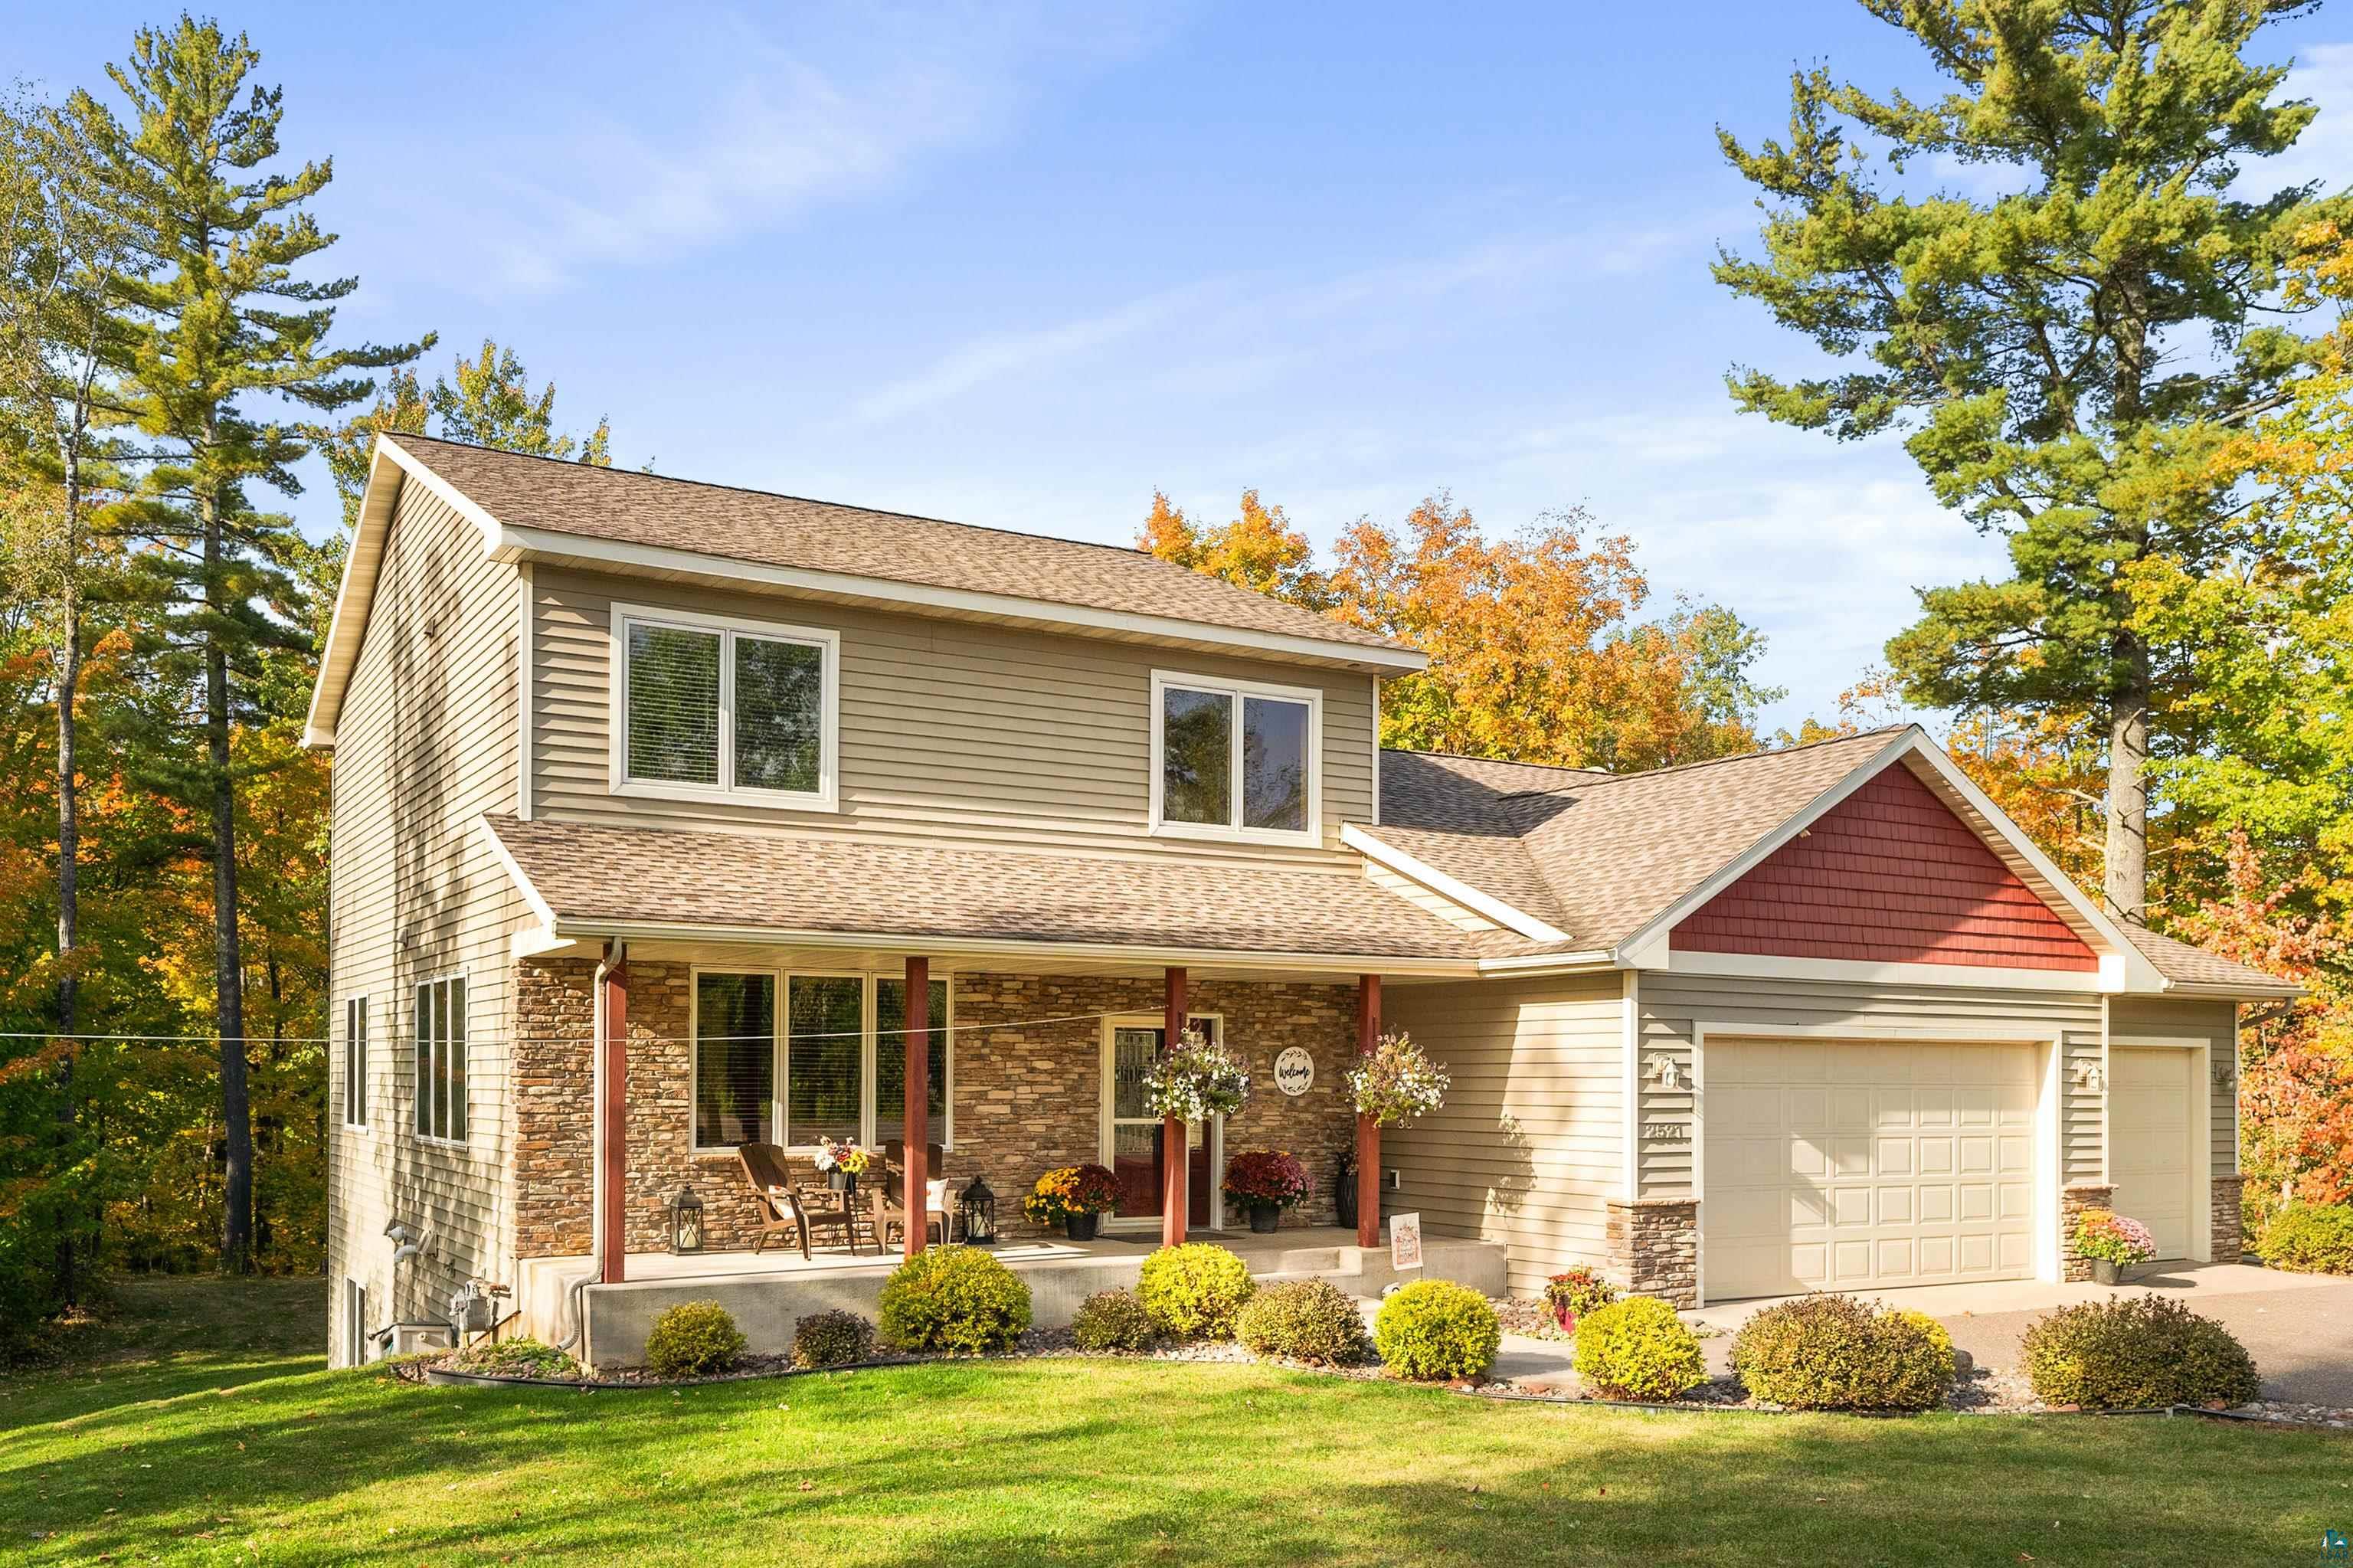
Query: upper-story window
[(356, 1061), (1235, 759), (705, 707)]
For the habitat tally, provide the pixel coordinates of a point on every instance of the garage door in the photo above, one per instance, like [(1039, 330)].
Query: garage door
[(2148, 1134), (1845, 1166)]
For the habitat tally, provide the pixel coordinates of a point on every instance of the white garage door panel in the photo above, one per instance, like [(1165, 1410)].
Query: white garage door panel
[(1844, 1165), (2149, 1159)]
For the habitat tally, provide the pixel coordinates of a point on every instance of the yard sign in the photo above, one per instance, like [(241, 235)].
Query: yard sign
[(1405, 1241)]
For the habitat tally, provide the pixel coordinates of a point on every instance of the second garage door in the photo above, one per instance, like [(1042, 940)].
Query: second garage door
[(1842, 1166)]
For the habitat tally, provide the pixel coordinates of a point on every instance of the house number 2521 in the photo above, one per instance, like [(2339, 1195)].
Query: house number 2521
[(1666, 1131)]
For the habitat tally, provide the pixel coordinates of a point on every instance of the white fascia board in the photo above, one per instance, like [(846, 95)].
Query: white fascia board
[(1438, 882), (516, 543), (1109, 952), (1647, 947), (353, 597), (1758, 966), (1524, 964)]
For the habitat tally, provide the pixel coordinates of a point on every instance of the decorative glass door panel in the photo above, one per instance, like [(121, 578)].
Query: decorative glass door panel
[(1132, 1134)]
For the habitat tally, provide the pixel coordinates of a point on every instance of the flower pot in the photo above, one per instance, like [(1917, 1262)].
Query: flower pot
[(842, 1181), (1344, 1200), (2108, 1271), (1080, 1227), (1264, 1217)]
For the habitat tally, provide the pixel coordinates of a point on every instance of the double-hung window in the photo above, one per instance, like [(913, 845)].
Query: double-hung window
[(1235, 759), (355, 1062), (441, 1059), (705, 707), (794, 1058)]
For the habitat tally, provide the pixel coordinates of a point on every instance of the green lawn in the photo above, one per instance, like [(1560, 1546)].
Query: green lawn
[(199, 1430)]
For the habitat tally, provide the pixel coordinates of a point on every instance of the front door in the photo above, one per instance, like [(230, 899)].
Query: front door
[(1132, 1136)]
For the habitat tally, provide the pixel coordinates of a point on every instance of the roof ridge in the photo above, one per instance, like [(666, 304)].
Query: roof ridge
[(1753, 755), (1506, 761), (1130, 550)]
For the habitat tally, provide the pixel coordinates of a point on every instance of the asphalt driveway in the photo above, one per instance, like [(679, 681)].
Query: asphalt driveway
[(2301, 1337)]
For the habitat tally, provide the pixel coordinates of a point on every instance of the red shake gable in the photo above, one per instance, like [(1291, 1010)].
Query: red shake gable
[(1888, 876)]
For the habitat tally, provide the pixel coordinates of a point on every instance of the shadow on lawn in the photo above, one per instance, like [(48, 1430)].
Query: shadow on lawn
[(975, 1464)]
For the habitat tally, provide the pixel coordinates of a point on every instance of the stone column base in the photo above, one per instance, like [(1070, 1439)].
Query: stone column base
[(2227, 1227), (2072, 1202), (1654, 1248)]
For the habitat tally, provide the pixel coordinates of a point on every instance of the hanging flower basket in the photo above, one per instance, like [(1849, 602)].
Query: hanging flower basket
[(1395, 1082), (1195, 1081)]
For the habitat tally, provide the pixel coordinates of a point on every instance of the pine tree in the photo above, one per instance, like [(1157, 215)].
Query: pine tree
[(224, 323), (2064, 359)]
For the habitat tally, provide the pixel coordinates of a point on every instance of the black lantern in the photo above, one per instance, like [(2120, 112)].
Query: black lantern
[(686, 1222), (978, 1208)]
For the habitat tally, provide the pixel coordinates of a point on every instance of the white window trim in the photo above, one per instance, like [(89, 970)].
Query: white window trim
[(1311, 835), (825, 798), (428, 981), (870, 1059), (355, 1007)]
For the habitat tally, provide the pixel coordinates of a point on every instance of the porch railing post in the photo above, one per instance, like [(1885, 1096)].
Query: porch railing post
[(918, 1108), (1368, 1131), (1174, 1155), (615, 1115)]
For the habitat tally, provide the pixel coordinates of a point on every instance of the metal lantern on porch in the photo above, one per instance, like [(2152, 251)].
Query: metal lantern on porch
[(686, 1222), (977, 1209)]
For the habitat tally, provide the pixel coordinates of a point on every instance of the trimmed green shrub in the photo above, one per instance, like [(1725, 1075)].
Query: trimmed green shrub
[(1194, 1292), (1111, 1320), (2310, 1238), (1834, 1352), (1306, 1319), (514, 1358), (1637, 1349), (693, 1339), (1436, 1328), (957, 1299), (2135, 1352), (832, 1339)]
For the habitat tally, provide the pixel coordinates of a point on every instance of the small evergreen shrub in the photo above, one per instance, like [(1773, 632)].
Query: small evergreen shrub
[(2135, 1352), (514, 1358), (956, 1298), (1194, 1292), (1637, 1349), (1111, 1320), (832, 1339), (1834, 1352), (1435, 1329), (1305, 1320), (2310, 1238), (693, 1339)]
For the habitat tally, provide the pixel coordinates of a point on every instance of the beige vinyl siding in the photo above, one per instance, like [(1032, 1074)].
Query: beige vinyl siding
[(1528, 1148), (948, 728), (1764, 1007), (2214, 1023), (425, 743), (2083, 1130)]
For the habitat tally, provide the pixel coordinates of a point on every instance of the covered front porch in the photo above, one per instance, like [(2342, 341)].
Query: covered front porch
[(769, 1293)]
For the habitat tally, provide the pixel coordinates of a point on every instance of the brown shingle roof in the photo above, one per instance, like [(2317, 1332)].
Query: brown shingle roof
[(2187, 965), (836, 884), (1595, 855), (631, 508)]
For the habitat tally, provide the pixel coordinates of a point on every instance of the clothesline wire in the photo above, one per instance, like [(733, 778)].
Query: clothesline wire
[(789, 1034)]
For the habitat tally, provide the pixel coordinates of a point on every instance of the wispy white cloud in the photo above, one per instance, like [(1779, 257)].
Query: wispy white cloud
[(725, 123), (2324, 74)]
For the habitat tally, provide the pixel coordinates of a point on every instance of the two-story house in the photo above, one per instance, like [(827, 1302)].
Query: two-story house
[(667, 815)]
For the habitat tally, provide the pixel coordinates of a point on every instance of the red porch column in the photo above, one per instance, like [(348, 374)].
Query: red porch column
[(918, 1108), (1368, 1131), (613, 1115), (1174, 1156)]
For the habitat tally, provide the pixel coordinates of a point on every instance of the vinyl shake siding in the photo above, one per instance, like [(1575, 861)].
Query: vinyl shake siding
[(427, 742), (977, 732), (1527, 1149)]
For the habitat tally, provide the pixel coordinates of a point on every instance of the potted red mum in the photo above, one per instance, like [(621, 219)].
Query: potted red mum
[(1265, 1181)]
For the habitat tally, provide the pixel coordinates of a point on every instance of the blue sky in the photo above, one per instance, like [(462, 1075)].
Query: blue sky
[(1020, 264)]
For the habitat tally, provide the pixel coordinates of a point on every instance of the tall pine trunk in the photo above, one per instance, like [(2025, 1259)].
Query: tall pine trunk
[(69, 1284), (2125, 859), (228, 964)]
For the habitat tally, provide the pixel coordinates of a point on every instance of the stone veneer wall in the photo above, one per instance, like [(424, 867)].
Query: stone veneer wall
[(2072, 1202), (2227, 1227), (1028, 1096), (1653, 1246)]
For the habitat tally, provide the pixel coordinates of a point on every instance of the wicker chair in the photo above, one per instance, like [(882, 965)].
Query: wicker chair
[(781, 1211)]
